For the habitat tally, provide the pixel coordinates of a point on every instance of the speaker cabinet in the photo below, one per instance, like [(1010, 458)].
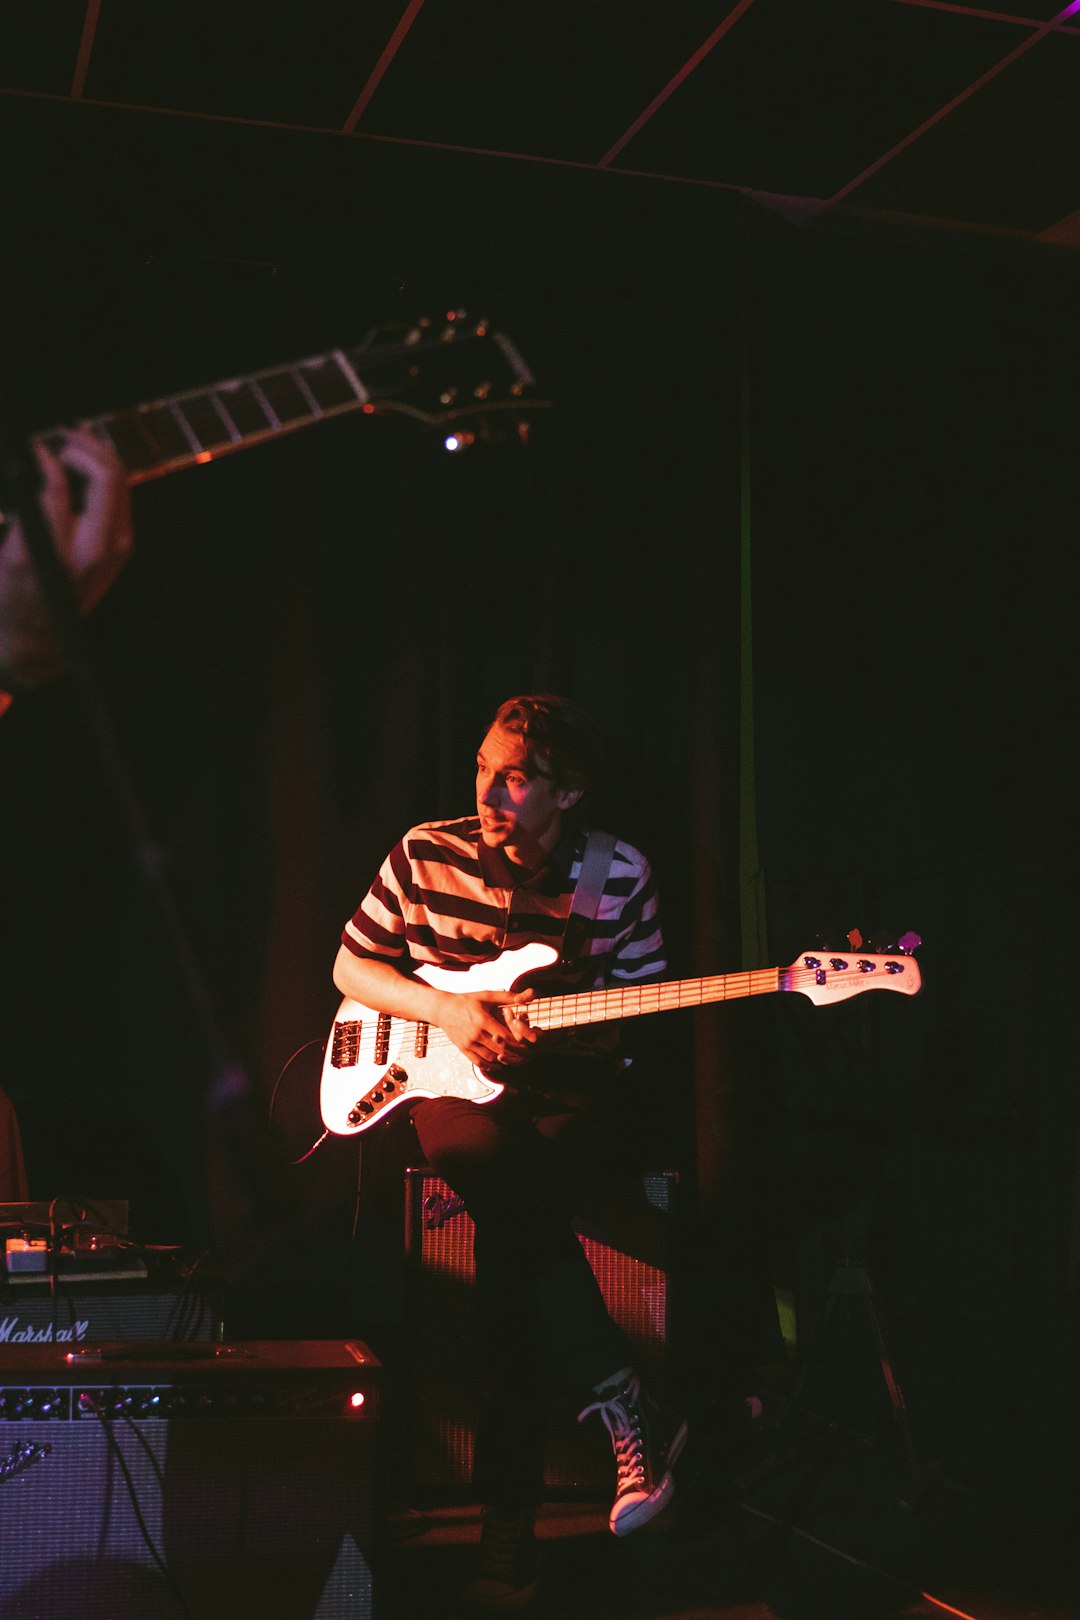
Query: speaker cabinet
[(626, 1234), (214, 1481)]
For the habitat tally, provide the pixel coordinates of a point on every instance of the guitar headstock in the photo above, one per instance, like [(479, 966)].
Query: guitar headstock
[(826, 975), (454, 374)]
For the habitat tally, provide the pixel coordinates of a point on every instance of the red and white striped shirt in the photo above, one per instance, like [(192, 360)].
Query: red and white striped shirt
[(445, 897)]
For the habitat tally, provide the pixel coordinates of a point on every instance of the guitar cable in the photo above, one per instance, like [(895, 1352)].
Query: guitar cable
[(133, 1495)]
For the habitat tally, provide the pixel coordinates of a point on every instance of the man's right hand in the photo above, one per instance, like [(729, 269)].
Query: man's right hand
[(489, 1029)]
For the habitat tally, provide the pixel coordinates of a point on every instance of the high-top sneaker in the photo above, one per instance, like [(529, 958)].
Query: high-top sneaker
[(646, 1438), (505, 1578)]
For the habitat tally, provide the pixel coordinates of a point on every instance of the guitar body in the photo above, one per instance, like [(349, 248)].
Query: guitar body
[(373, 1062)]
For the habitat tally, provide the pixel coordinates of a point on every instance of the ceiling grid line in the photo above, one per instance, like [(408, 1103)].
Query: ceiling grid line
[(243, 119), (86, 46), (950, 106), (679, 78), (390, 50), (246, 121), (790, 204), (1064, 232), (983, 15)]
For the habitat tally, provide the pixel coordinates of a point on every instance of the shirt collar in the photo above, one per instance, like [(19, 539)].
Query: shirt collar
[(499, 873)]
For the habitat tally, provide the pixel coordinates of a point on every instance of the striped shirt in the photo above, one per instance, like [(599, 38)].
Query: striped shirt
[(443, 896)]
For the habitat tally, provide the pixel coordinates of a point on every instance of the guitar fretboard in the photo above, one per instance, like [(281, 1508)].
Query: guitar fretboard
[(632, 1001), (204, 423)]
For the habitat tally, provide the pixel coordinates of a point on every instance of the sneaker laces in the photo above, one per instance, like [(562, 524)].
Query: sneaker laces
[(621, 1414)]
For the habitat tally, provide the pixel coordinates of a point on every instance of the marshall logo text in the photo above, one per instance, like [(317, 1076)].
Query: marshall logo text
[(12, 1333)]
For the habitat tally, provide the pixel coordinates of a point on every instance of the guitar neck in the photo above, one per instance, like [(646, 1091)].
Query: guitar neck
[(184, 430), (635, 1001)]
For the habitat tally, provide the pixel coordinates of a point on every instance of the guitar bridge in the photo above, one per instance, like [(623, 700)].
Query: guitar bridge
[(345, 1046)]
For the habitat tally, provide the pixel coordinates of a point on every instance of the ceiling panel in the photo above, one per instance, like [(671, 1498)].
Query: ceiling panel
[(39, 44), (1010, 153), (870, 104), (800, 99), (550, 78), (244, 59)]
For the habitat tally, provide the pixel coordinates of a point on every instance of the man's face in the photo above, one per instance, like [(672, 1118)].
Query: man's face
[(519, 806)]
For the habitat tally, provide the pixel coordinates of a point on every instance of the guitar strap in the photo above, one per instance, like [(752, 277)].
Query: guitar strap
[(596, 862)]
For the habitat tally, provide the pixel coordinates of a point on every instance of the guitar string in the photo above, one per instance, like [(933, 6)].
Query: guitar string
[(669, 996)]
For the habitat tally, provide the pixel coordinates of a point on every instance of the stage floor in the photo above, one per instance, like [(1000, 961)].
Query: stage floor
[(824, 1537)]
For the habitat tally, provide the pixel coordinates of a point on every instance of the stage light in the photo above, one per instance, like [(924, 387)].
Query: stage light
[(458, 441), (356, 1399)]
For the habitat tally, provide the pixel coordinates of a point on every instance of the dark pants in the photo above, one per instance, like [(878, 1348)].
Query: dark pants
[(521, 1164)]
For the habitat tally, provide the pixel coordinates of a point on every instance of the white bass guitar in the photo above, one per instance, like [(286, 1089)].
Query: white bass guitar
[(373, 1062)]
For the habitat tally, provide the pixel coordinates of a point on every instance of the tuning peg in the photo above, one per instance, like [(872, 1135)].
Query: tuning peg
[(909, 943), (882, 943), (854, 939)]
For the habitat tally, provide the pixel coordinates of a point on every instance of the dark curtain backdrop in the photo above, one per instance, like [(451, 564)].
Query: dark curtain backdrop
[(849, 457), (915, 500)]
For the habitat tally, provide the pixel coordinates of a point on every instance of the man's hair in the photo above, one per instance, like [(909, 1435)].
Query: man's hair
[(569, 739)]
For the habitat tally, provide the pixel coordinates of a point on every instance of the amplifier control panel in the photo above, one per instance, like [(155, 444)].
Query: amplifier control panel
[(38, 1403)]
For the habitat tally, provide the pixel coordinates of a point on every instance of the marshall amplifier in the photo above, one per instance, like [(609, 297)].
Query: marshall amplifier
[(626, 1236), (102, 1288), (89, 1312), (138, 1482)]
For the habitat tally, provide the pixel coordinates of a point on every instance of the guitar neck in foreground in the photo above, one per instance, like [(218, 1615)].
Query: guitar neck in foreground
[(456, 374)]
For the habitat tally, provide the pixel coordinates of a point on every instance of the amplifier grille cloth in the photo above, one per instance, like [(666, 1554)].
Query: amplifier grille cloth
[(258, 1518), (254, 1513)]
